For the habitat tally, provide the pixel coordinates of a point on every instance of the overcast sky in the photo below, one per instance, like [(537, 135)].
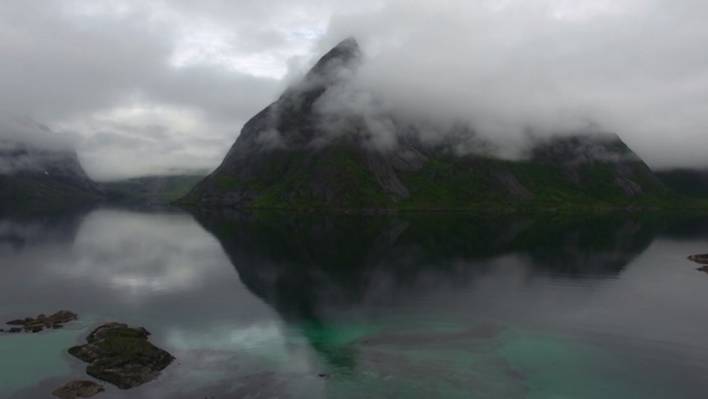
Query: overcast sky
[(143, 87)]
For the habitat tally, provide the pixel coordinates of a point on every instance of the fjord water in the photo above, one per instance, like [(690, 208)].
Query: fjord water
[(314, 306)]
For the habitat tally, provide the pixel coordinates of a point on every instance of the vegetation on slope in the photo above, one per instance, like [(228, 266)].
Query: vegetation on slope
[(340, 179), (155, 190), (686, 182)]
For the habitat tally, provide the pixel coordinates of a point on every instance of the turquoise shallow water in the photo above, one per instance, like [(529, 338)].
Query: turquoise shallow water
[(409, 306)]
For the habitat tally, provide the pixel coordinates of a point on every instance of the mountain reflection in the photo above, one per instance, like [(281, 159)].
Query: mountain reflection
[(324, 305), (304, 265), (18, 231)]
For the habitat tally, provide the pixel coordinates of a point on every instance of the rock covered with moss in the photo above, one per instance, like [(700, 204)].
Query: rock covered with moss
[(122, 355)]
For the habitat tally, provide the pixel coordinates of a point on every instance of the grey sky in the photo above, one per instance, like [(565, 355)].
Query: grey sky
[(158, 86)]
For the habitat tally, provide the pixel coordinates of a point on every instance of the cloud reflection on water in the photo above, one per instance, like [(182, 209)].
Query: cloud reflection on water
[(246, 301)]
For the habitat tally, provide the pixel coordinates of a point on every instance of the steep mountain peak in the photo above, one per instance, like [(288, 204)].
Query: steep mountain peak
[(306, 151), (583, 147), (345, 55), (291, 121)]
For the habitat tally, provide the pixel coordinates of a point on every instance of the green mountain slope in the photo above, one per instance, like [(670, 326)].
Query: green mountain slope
[(150, 190), (687, 182)]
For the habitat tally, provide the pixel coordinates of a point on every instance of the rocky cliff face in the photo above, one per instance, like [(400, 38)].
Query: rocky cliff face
[(37, 177), (295, 154)]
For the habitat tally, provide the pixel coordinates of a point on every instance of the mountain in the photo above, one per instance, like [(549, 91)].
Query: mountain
[(296, 154), (691, 183), (150, 190), (36, 177)]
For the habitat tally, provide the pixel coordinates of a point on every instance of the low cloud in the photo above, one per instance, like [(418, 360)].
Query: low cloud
[(105, 74), (507, 68), (143, 88)]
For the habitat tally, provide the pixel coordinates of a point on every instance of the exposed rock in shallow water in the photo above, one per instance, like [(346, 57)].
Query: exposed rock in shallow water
[(41, 322), (78, 389), (703, 269), (122, 355), (702, 259)]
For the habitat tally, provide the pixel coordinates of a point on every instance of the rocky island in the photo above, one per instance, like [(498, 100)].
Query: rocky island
[(700, 259), (122, 355), (41, 322), (78, 389)]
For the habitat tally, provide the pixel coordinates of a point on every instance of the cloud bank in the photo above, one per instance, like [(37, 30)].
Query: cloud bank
[(154, 87), (514, 68)]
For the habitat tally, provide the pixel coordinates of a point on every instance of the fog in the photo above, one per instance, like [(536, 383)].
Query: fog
[(143, 88), (519, 68)]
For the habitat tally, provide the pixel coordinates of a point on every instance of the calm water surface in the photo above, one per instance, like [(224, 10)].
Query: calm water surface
[(413, 306)]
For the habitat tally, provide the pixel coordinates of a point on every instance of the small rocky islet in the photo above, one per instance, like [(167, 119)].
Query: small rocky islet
[(78, 389), (41, 322), (122, 355), (700, 259), (116, 353)]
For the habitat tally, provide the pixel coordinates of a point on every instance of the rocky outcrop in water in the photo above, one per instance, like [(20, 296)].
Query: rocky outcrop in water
[(122, 355), (78, 389), (702, 259), (42, 322)]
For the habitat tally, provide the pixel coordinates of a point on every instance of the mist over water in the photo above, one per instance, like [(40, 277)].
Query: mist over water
[(355, 306)]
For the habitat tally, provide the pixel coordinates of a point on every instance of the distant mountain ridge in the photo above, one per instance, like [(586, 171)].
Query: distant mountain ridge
[(291, 155), (150, 190), (36, 177)]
